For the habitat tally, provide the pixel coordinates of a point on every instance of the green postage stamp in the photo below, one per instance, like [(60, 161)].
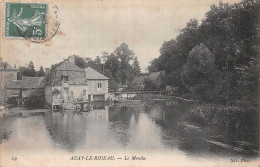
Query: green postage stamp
[(26, 20)]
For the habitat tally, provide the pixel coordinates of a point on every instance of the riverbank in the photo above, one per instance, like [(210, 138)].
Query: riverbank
[(162, 97), (228, 122), (10, 112)]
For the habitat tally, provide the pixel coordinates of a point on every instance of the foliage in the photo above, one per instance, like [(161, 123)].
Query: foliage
[(29, 71), (248, 82), (40, 73), (35, 102), (124, 55), (149, 84), (120, 67), (217, 60), (136, 66), (198, 72), (13, 101)]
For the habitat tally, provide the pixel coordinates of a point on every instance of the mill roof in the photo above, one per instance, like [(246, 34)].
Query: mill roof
[(67, 66), (13, 84), (26, 83), (92, 74), (154, 75), (138, 80), (32, 82), (76, 75)]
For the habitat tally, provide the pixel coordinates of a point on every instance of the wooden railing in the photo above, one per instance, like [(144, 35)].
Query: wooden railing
[(136, 90)]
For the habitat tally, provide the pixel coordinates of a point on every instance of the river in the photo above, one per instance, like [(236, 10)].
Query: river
[(150, 127)]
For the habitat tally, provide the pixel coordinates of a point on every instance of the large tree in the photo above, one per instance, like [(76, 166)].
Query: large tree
[(41, 72), (136, 66), (230, 37), (30, 71), (198, 74), (124, 55)]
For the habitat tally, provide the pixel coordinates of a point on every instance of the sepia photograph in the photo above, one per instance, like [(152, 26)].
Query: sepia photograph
[(129, 83)]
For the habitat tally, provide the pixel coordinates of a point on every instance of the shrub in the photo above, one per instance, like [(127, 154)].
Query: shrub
[(35, 102), (12, 100)]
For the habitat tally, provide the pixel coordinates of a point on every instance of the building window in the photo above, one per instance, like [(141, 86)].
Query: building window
[(99, 85), (65, 78), (72, 95), (84, 92)]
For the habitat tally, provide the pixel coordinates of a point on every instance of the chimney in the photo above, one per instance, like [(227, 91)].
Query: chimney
[(72, 59), (1, 60), (15, 66), (47, 70)]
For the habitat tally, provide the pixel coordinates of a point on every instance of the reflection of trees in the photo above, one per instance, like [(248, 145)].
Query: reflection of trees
[(6, 127), (238, 128), (66, 130), (120, 117), (167, 117)]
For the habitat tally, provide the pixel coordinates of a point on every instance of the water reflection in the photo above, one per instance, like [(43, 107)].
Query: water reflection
[(156, 125), (6, 128), (66, 129)]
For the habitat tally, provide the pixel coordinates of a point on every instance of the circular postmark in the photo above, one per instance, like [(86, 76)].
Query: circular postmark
[(46, 29)]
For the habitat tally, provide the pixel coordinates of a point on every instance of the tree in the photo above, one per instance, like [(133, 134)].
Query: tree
[(124, 55), (40, 73), (172, 61), (136, 66), (248, 81), (198, 74), (153, 67), (130, 74), (112, 64), (80, 62), (26, 71), (30, 71), (188, 39), (20, 72), (215, 72), (149, 84)]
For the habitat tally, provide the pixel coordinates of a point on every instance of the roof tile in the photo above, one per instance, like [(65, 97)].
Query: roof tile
[(92, 74)]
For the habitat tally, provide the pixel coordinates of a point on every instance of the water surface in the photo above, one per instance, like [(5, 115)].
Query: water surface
[(153, 126)]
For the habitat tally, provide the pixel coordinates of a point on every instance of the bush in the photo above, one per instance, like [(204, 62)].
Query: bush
[(13, 101), (35, 102), (196, 117), (187, 96)]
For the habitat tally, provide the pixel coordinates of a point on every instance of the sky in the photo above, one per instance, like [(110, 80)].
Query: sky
[(90, 27)]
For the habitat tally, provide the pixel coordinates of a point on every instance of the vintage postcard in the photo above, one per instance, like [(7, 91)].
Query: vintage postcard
[(169, 83)]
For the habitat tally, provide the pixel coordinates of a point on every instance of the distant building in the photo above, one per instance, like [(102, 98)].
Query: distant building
[(97, 85), (7, 73), (23, 89), (66, 84), (156, 77), (13, 89), (32, 86)]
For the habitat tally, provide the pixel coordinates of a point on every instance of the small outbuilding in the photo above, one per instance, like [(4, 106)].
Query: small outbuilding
[(97, 85), (156, 77)]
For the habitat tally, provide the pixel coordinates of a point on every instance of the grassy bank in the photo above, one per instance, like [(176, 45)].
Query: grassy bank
[(149, 97), (227, 122), (221, 114)]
